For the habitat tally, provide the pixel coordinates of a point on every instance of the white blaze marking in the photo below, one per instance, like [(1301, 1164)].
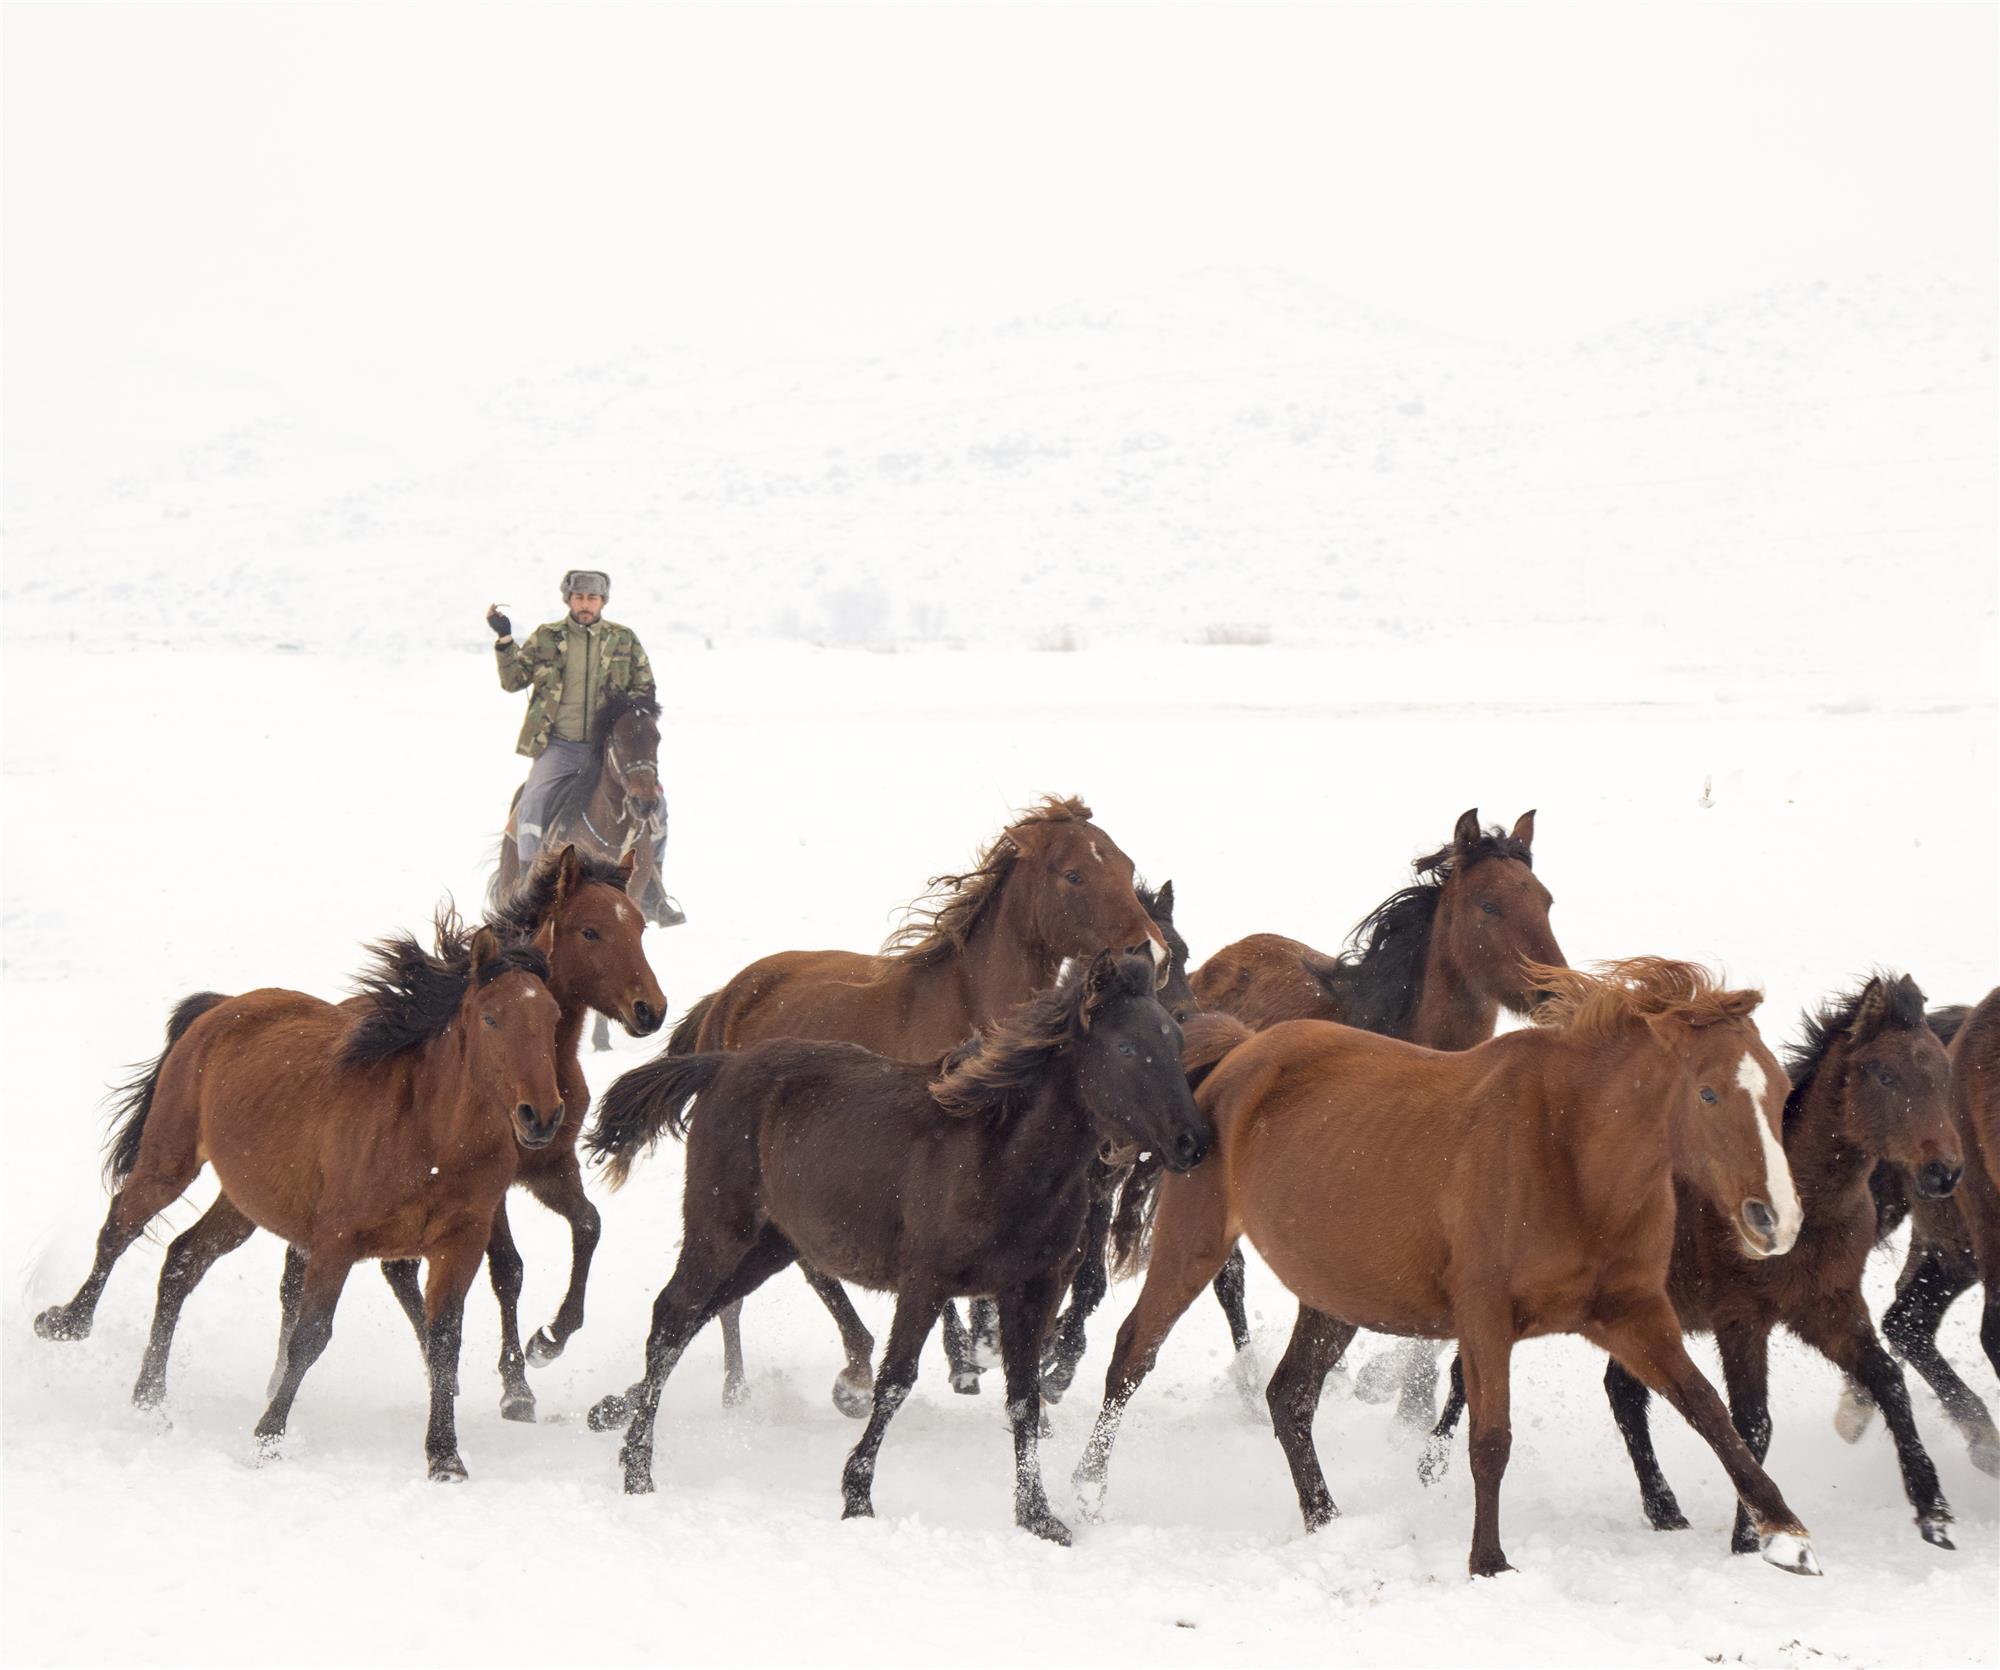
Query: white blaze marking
[(1094, 853), (1783, 1197), (623, 910)]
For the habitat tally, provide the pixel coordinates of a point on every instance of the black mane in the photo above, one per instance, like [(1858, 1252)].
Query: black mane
[(1902, 1008), (521, 914), (412, 994), (1379, 978)]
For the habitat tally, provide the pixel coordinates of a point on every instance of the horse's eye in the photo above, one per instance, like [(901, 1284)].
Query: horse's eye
[(489, 1020), (1708, 1095), (1072, 878), (590, 933), (1888, 1078), (1489, 907), (1125, 1048)]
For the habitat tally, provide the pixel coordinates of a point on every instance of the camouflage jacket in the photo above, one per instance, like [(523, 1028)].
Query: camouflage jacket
[(537, 660)]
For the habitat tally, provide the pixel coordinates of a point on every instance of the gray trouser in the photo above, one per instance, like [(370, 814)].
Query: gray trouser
[(553, 767)]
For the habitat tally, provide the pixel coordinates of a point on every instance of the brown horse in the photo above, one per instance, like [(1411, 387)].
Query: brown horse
[(1870, 1083), (393, 1133), (1433, 964), (1954, 1242), (1518, 1188), (1052, 885), (596, 962), (928, 1181)]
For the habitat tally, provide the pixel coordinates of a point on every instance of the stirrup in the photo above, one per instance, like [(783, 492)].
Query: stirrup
[(668, 913)]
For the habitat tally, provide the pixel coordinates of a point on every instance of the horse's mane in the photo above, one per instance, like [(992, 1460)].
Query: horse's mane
[(1881, 1002), (575, 792), (1379, 977), (520, 915), (412, 994), (991, 1072), (937, 925), (1595, 1004)]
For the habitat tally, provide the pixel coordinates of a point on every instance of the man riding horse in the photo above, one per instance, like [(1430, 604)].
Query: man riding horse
[(575, 666)]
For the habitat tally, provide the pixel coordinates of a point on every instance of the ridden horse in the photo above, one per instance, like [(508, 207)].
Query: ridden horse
[(1433, 964), (1051, 885), (1870, 1083), (1954, 1243), (596, 963), (389, 1133), (1518, 1188), (966, 1177)]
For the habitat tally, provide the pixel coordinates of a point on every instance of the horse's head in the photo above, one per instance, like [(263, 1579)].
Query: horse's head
[(1492, 913), (596, 958), (1175, 992), (632, 757), (1128, 1064), (510, 1031), (1890, 1082), (1080, 894)]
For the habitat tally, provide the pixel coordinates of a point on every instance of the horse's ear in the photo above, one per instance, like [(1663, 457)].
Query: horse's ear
[(1164, 899), (1467, 829), (1872, 1009), (1099, 980), (1673, 1033), (567, 870), (545, 938), (485, 947), (1524, 829), (629, 862)]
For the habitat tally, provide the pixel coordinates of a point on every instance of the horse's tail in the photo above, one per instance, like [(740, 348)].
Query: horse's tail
[(134, 1099), (684, 1037), (1132, 1226), (643, 1103)]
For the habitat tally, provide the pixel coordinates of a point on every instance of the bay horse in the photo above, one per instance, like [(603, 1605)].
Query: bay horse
[(1518, 1188), (596, 962), (1052, 885), (1870, 1084), (1954, 1241), (1434, 964), (968, 1177), (389, 1133)]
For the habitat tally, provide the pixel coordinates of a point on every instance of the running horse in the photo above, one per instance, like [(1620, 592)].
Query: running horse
[(1050, 886)]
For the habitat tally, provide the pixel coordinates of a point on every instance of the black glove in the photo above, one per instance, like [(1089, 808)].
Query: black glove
[(502, 626)]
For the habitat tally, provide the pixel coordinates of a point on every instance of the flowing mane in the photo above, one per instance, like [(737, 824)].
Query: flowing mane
[(412, 994), (520, 915), (1883, 1001), (1598, 1004), (1379, 978), (938, 924), (994, 1071)]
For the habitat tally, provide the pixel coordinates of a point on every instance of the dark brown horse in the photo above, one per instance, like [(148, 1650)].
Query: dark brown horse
[(392, 1133), (970, 1178), (1052, 885), (1954, 1242), (1518, 1188), (579, 905), (1870, 1083), (1433, 964)]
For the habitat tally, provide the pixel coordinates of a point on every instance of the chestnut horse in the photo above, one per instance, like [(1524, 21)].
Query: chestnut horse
[(1955, 1242), (1433, 964), (1051, 885), (968, 1177), (391, 1133), (596, 963), (1870, 1083), (1543, 1203)]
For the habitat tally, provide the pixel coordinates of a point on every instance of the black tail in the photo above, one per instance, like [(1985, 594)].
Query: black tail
[(134, 1099), (684, 1037), (1132, 1226), (643, 1103)]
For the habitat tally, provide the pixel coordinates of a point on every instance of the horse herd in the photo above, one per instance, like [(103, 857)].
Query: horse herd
[(1027, 1089)]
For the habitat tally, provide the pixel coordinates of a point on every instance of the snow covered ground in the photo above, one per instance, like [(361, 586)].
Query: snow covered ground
[(152, 851)]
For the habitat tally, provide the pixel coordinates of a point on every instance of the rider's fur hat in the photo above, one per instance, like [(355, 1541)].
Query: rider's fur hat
[(585, 580)]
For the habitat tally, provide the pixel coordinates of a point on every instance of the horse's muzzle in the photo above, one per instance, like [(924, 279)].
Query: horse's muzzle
[(531, 1130), (1185, 1152), (1936, 1180), (645, 1020)]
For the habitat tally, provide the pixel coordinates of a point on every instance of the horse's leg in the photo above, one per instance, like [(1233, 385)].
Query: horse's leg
[(958, 1352), (1087, 1289), (150, 1190), (504, 1267), (735, 1383), (1485, 1349), (562, 1193), (1024, 1319), (454, 1264), (1841, 1330), (327, 1264), (711, 1274), (1745, 1348), (221, 1229), (916, 1312), (1192, 1236), (853, 1387), (1293, 1399), (1416, 1404), (1647, 1340), (289, 1285), (1230, 1290), (982, 1323), (1436, 1456), (1629, 1399), (1933, 1277)]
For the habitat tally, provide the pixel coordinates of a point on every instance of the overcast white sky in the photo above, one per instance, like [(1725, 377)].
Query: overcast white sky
[(421, 194)]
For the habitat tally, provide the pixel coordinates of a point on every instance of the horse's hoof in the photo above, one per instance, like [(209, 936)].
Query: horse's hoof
[(853, 1396), (447, 1469), (1853, 1413), (543, 1348), (1046, 1526), (1668, 1517), (965, 1382), (1321, 1514), (1247, 1375), (1933, 1532), (270, 1447), (1791, 1551), (1380, 1378), (149, 1394), (57, 1323), (735, 1392), (609, 1414), (857, 1507), (1435, 1462), (1491, 1566), (638, 1479), (1090, 1493), (518, 1406)]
